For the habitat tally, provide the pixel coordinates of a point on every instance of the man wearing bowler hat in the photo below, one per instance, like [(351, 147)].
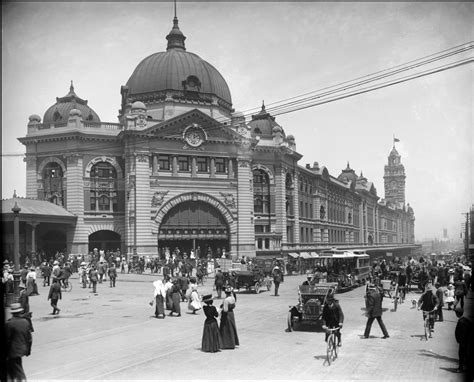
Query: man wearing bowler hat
[(18, 340)]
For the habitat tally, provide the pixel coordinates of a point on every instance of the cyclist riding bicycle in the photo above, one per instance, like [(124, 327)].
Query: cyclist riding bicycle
[(332, 317), (428, 302)]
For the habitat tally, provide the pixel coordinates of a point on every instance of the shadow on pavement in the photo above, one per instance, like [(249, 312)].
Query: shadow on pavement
[(450, 369), (428, 353)]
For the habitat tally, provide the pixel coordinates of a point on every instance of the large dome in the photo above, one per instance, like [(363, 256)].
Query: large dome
[(59, 112), (176, 70)]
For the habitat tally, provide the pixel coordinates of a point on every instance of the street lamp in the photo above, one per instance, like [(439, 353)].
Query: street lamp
[(16, 248)]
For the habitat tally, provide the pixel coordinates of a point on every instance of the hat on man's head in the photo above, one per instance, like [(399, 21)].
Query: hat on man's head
[(229, 290), (16, 308), (6, 262)]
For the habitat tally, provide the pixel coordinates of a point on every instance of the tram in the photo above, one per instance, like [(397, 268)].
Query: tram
[(349, 268)]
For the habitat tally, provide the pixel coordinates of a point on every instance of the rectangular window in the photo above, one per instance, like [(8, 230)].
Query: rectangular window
[(201, 163), (220, 165), (104, 203), (164, 162), (183, 163)]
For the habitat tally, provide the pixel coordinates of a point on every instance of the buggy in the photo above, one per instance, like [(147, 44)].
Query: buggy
[(311, 299)]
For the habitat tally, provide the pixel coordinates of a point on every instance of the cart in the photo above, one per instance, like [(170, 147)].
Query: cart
[(250, 280), (311, 299), (390, 289)]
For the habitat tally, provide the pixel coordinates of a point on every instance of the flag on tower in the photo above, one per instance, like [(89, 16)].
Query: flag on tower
[(396, 139)]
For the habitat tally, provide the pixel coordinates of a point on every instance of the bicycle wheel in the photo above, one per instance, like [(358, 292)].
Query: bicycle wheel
[(331, 352), (427, 329)]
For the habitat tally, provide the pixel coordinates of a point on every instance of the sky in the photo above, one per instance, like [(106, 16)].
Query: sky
[(269, 51)]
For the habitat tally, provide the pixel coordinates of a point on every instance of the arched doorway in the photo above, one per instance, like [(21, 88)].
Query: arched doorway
[(104, 240), (194, 225)]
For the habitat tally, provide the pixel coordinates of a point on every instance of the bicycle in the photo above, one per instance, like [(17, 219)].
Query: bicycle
[(331, 349), (427, 325)]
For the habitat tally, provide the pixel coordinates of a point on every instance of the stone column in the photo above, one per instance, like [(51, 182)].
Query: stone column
[(31, 177), (155, 164), (175, 165), (245, 224), (193, 167), (145, 242), (33, 237), (296, 210), (213, 167), (280, 203), (230, 168)]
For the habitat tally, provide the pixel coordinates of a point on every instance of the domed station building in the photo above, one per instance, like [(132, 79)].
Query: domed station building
[(182, 169)]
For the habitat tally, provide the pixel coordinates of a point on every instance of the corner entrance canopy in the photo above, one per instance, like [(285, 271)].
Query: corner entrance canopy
[(40, 211)]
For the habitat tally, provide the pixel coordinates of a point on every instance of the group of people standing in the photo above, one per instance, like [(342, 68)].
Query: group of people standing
[(168, 294)]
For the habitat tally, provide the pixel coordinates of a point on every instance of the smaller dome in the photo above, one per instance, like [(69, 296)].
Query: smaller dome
[(347, 175), (75, 113), (290, 138), (137, 105), (34, 118)]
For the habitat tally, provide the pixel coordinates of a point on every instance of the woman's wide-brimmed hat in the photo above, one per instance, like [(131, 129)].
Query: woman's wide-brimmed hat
[(207, 298), (229, 289)]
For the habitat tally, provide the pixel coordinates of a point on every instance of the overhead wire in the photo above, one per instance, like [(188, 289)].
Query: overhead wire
[(319, 97)]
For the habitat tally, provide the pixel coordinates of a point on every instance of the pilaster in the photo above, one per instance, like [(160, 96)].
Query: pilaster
[(280, 203), (31, 178), (245, 225)]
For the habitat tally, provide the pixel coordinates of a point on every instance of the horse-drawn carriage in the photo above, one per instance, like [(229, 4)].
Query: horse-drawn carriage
[(311, 299), (250, 280)]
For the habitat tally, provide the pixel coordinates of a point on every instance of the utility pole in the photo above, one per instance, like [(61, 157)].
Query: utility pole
[(466, 235)]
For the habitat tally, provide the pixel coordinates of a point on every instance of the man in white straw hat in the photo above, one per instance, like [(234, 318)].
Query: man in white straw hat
[(18, 340)]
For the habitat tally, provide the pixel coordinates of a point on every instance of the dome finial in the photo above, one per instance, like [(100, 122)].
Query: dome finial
[(71, 88), (175, 37), (263, 105), (348, 166)]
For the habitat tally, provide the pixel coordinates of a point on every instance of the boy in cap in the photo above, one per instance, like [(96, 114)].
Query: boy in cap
[(463, 334)]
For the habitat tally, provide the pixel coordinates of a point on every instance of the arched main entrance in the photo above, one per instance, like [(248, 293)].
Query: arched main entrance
[(104, 240), (194, 224)]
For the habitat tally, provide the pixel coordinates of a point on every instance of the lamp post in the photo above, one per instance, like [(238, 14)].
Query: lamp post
[(16, 249)]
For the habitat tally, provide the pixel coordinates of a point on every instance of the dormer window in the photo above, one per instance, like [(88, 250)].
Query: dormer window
[(192, 83), (57, 116)]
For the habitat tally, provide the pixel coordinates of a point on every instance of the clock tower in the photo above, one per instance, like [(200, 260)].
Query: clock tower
[(394, 178)]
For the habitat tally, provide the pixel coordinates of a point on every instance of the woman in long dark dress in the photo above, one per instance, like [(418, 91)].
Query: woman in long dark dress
[(159, 295), (228, 329), (211, 338), (176, 297)]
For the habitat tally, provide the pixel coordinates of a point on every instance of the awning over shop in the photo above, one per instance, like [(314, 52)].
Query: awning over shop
[(293, 254), (305, 255)]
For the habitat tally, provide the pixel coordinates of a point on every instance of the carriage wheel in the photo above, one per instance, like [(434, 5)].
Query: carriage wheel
[(290, 322), (257, 287)]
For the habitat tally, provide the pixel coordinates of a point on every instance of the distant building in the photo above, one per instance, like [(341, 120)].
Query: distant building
[(181, 168)]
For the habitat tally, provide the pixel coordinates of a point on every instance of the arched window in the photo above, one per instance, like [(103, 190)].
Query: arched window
[(103, 192), (322, 212), (53, 183), (261, 191)]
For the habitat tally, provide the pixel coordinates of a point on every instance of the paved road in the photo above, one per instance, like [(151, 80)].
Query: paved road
[(114, 336)]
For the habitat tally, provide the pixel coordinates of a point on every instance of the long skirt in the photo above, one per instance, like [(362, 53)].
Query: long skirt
[(176, 297), (211, 338), (169, 301), (159, 306), (228, 331)]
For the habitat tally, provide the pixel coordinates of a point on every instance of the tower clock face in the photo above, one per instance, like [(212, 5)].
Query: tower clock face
[(393, 184)]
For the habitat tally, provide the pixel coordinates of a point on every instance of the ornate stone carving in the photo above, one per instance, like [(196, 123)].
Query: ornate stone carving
[(142, 158), (244, 163), (228, 199), (158, 197), (188, 147)]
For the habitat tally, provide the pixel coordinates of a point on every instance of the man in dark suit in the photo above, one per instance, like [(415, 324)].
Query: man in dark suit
[(55, 295), (112, 274), (18, 341), (374, 310), (219, 282)]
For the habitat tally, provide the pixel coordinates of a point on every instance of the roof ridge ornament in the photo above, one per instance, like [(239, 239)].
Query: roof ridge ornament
[(175, 37)]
